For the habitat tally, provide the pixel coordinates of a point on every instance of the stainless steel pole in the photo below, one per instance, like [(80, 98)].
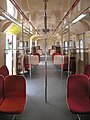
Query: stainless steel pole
[(84, 51), (45, 30), (62, 54), (12, 56), (68, 49), (23, 51), (46, 70), (30, 59)]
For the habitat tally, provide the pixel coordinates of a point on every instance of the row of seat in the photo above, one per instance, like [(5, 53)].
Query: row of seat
[(51, 51), (31, 60), (59, 59), (28, 62), (40, 51), (12, 92), (78, 93)]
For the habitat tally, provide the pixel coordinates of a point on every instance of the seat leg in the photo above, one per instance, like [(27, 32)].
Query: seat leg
[(13, 117), (78, 117)]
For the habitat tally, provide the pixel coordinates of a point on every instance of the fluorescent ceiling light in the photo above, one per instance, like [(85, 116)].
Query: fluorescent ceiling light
[(79, 18), (57, 34), (65, 21), (66, 26)]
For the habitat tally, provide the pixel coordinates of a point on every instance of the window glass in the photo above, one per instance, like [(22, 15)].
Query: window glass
[(10, 8)]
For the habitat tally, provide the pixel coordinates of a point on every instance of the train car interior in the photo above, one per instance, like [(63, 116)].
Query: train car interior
[(45, 59)]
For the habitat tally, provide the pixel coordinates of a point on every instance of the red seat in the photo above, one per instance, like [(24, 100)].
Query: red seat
[(78, 94), (54, 55), (27, 62), (15, 95), (1, 89), (4, 70), (87, 70), (52, 51), (49, 50), (37, 55)]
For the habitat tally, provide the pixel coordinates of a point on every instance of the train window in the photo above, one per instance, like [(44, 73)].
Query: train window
[(21, 44), (10, 8), (8, 41), (77, 46), (26, 44), (65, 47), (33, 43), (81, 49), (70, 44), (81, 45), (66, 44)]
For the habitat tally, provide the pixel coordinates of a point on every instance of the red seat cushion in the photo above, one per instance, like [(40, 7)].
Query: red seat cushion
[(1, 89), (4, 70), (79, 105), (15, 94), (13, 105)]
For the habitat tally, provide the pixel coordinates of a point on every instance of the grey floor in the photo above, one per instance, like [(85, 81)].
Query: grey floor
[(56, 106)]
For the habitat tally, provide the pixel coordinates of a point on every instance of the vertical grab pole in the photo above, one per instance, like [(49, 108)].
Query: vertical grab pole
[(62, 43), (45, 70), (78, 68), (68, 49), (12, 55), (23, 51), (62, 56), (45, 30), (30, 58), (84, 50)]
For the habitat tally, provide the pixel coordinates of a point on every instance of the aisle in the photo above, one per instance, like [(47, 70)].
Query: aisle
[(36, 108)]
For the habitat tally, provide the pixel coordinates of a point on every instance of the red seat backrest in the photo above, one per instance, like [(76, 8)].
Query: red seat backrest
[(4, 70), (1, 89), (78, 86), (54, 55), (37, 55), (87, 70), (27, 61), (15, 86)]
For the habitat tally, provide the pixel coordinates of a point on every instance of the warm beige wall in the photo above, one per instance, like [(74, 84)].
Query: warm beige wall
[(41, 42), (3, 4), (2, 47)]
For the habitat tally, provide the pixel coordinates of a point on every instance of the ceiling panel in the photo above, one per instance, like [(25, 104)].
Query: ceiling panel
[(56, 10)]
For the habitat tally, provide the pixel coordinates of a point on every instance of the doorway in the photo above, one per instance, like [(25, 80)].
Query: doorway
[(10, 53)]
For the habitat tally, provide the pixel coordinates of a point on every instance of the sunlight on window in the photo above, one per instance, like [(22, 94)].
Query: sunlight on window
[(30, 28), (10, 8)]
